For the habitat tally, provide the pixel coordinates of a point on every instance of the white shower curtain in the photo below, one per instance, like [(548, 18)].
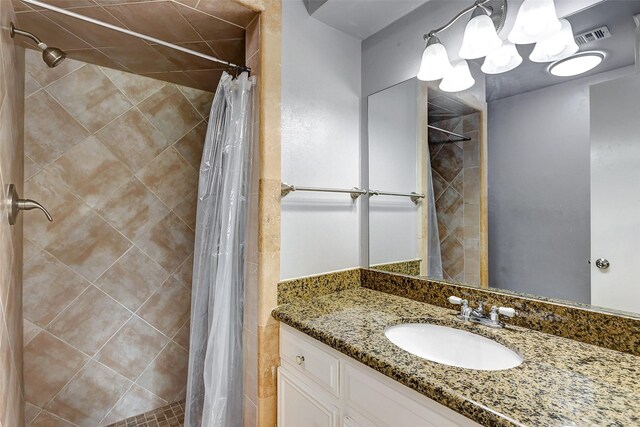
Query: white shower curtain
[(433, 240), (214, 388)]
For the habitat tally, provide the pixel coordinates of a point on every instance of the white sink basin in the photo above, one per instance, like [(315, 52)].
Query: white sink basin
[(453, 347)]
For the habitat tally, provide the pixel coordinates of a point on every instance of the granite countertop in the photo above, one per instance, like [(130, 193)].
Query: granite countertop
[(561, 382)]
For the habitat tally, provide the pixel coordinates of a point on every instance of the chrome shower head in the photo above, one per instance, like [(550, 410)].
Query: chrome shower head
[(52, 56)]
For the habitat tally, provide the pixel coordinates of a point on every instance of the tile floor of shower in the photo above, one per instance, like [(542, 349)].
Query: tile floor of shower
[(171, 415)]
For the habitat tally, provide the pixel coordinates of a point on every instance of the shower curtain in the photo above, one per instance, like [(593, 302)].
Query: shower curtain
[(433, 240), (214, 386)]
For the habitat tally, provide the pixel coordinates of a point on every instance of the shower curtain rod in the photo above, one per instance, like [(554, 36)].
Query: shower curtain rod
[(133, 33), (448, 132)]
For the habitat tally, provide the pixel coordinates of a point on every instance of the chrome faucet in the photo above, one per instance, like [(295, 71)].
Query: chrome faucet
[(478, 314)]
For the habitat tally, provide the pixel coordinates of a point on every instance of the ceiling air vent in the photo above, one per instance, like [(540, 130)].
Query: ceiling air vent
[(593, 35)]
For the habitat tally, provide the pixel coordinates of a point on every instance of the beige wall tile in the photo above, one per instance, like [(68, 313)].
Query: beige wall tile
[(169, 242), (50, 130), (90, 395), (135, 87), (185, 272), (133, 139), (169, 308), (47, 419), (182, 337), (49, 287), (65, 207), (170, 111), (167, 374), (49, 364), (170, 177), (29, 331), (89, 322), (90, 170), (141, 343), (132, 209), (132, 279), (90, 248), (30, 412), (190, 146), (199, 98), (101, 103), (472, 185)]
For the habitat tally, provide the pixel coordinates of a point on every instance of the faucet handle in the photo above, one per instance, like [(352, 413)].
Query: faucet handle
[(495, 313), (507, 311), (456, 300)]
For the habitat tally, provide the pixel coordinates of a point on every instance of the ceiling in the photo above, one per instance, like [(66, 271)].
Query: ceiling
[(619, 50), (213, 27), (362, 18)]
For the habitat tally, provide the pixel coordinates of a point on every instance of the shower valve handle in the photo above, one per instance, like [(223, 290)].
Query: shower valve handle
[(16, 204)]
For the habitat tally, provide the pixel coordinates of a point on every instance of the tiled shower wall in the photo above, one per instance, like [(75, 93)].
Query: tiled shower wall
[(11, 169), (456, 184), (114, 157)]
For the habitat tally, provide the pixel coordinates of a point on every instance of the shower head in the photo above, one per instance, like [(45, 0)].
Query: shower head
[(52, 56)]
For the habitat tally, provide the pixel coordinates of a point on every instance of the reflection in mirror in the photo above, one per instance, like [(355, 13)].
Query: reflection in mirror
[(530, 188)]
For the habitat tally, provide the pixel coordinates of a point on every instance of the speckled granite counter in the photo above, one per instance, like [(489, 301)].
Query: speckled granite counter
[(561, 382)]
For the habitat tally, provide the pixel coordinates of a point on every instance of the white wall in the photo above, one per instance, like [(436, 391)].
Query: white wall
[(539, 190), (320, 144), (393, 137)]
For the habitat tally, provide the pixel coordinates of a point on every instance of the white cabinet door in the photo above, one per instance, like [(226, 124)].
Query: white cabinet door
[(615, 193), (302, 405)]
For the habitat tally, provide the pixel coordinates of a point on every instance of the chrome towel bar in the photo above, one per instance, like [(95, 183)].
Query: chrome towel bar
[(415, 197), (287, 188), (355, 192)]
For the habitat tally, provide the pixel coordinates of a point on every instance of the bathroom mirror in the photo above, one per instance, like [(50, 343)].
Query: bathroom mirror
[(527, 182)]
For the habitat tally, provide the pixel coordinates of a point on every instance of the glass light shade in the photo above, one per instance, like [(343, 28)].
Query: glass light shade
[(435, 62), (501, 60), (576, 64), (559, 46), (536, 20), (480, 38), (458, 79)]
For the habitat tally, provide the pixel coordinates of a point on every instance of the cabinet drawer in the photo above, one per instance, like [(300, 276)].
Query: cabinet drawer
[(302, 355)]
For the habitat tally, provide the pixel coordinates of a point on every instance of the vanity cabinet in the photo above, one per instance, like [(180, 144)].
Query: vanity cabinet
[(320, 387)]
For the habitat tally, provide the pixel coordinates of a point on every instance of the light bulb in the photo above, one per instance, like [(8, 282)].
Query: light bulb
[(536, 20), (560, 45), (501, 60), (480, 36), (458, 79), (435, 61)]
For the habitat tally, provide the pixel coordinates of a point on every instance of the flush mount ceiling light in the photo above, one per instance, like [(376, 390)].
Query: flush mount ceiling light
[(559, 46), (458, 79), (435, 61), (576, 64), (536, 21), (501, 60), (480, 36)]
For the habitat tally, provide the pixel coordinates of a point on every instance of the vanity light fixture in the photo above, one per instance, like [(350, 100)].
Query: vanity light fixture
[(458, 79), (576, 64), (480, 36), (435, 61), (559, 46), (536, 21), (501, 60)]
